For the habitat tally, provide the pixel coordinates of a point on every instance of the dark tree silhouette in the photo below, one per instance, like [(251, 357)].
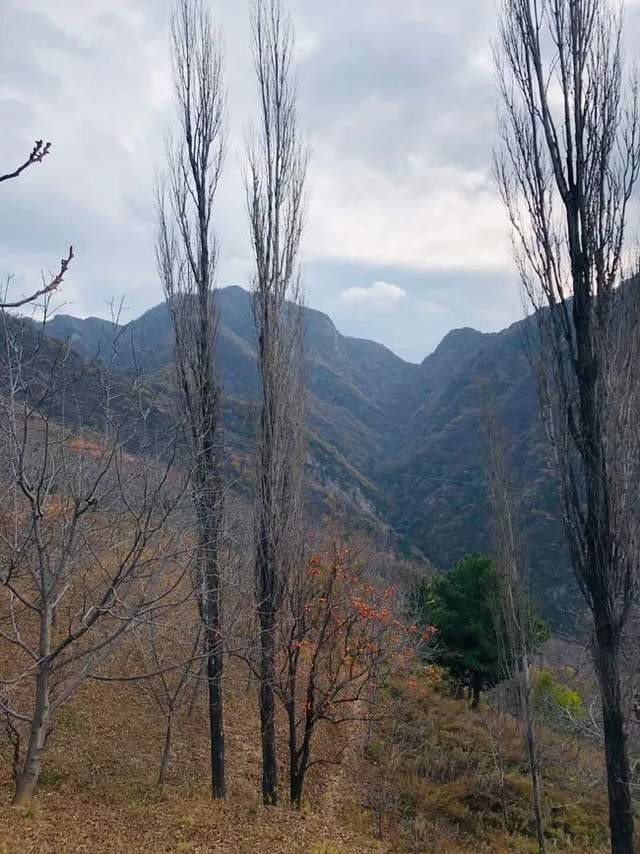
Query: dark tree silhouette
[(567, 168)]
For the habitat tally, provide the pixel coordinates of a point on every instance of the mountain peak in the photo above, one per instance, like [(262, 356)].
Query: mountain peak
[(462, 341)]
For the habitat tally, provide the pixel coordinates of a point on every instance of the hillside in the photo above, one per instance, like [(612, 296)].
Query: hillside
[(436, 778), (342, 409), (399, 444), (353, 383), (438, 478)]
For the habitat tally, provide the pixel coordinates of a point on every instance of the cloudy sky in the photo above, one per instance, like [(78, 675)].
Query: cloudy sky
[(406, 238)]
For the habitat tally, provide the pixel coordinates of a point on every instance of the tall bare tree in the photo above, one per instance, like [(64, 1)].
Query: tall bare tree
[(514, 617), (187, 254), (567, 168), (275, 180)]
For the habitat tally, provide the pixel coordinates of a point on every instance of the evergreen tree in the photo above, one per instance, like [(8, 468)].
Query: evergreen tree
[(462, 605)]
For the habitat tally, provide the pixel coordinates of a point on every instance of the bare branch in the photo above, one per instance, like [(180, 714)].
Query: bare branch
[(38, 153), (47, 289)]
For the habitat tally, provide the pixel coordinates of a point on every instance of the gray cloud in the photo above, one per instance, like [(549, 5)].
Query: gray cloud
[(399, 103)]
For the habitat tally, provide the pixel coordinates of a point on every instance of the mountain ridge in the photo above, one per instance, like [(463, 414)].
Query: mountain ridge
[(401, 442)]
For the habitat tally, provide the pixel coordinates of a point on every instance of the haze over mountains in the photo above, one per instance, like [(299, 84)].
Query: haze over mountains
[(399, 445)]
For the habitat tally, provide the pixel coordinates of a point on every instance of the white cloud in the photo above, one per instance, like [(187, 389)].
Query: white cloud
[(444, 218), (377, 294)]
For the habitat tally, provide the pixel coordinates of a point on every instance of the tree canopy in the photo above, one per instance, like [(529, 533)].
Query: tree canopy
[(463, 606)]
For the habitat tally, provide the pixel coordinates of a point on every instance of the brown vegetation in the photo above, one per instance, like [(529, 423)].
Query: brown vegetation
[(436, 777)]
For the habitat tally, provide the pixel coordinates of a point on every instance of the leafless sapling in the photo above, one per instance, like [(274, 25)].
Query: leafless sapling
[(165, 661), (88, 495), (514, 617)]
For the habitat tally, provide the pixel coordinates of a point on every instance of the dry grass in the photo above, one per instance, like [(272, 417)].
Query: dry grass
[(98, 790), (429, 783), (453, 780)]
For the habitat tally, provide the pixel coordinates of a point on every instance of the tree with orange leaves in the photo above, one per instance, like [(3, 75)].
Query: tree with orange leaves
[(339, 639)]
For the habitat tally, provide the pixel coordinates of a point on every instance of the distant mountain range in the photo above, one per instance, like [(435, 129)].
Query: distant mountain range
[(399, 445)]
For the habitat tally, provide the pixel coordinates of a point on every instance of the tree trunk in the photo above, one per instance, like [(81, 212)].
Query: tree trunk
[(294, 793), (476, 688), (267, 716), (296, 783), (299, 762), (214, 674), (601, 580), (607, 635), (208, 504), (215, 663), (195, 692), (28, 778), (530, 742), (166, 752), (621, 821)]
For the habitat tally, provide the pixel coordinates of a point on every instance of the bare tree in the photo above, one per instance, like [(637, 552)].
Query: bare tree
[(275, 179), (187, 256), (39, 151), (84, 529), (567, 168), (166, 662), (514, 617)]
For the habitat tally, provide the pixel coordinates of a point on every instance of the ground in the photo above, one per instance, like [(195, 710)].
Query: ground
[(99, 792), (429, 781)]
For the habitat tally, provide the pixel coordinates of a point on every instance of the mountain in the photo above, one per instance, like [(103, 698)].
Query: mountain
[(351, 384), (438, 478), (399, 444)]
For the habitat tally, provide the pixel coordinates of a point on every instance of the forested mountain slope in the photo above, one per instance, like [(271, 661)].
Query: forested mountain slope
[(401, 443)]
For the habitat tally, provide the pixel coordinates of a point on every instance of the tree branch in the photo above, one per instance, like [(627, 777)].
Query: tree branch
[(48, 288), (38, 153)]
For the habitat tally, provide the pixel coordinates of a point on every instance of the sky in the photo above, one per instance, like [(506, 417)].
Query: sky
[(406, 237)]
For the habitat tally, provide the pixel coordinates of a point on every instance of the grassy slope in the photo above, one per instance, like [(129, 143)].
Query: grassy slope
[(451, 779), (429, 783), (99, 793)]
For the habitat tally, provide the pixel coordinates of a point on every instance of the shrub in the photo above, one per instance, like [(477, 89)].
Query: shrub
[(560, 705)]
